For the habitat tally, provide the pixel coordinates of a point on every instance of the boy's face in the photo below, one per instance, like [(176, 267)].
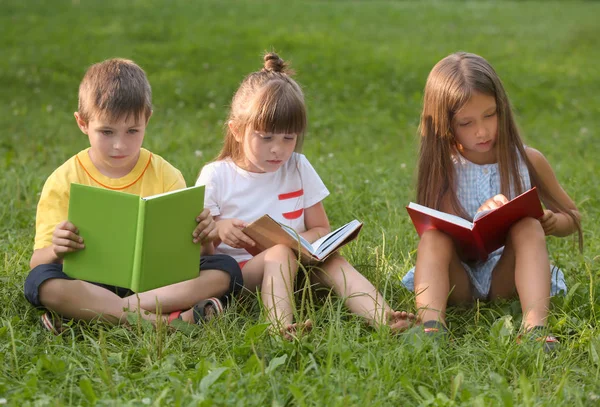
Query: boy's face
[(115, 145)]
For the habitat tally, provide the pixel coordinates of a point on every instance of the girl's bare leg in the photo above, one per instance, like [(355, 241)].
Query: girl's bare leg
[(274, 270), (360, 296), (439, 277), (525, 266)]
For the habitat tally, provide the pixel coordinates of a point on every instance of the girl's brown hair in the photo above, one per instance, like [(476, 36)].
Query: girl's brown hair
[(449, 87), (268, 100)]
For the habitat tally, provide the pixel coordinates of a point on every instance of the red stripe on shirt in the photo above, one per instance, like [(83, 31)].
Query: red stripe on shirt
[(293, 215), (291, 195)]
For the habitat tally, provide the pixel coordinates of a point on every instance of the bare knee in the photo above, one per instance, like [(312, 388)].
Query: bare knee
[(53, 291), (526, 231), (436, 244), (283, 257), (280, 253), (435, 238)]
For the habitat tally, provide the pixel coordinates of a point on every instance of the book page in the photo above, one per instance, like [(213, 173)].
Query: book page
[(326, 241), (481, 214), (457, 220), (305, 243)]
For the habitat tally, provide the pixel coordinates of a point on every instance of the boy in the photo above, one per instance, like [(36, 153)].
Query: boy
[(115, 104)]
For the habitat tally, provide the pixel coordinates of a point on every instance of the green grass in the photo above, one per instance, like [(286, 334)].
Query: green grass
[(363, 67)]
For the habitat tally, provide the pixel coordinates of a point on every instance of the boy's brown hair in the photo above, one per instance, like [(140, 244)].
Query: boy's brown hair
[(114, 89)]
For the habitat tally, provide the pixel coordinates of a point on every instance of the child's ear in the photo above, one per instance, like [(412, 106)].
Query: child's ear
[(235, 130), (149, 116), (81, 123)]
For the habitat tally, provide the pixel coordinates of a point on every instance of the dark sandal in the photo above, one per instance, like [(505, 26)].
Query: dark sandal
[(539, 333), (199, 313), (433, 328)]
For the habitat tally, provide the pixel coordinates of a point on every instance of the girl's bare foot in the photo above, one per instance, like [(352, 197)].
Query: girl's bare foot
[(294, 330), (400, 321)]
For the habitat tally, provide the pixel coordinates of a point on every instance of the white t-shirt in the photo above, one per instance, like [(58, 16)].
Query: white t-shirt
[(232, 192)]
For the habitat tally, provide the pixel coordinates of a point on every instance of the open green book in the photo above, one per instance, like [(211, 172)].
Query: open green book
[(133, 242)]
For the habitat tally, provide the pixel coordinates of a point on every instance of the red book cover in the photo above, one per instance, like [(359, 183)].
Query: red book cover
[(476, 240)]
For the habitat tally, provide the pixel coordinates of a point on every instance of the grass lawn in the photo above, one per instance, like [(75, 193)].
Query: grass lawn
[(363, 67)]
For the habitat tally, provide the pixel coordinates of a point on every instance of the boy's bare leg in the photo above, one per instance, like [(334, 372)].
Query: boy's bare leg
[(183, 295), (85, 301), (525, 266), (360, 296), (439, 277)]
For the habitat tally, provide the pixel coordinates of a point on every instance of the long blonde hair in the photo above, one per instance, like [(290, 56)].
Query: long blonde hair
[(450, 85), (268, 100)]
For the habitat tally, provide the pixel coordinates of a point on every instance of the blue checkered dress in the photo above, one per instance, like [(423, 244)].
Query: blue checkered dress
[(476, 184)]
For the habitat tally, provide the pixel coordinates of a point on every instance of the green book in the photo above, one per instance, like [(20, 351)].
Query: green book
[(133, 242)]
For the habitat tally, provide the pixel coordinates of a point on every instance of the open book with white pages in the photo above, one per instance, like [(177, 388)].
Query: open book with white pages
[(266, 232)]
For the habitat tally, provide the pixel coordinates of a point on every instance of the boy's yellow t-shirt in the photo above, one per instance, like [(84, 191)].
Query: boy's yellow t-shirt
[(151, 175)]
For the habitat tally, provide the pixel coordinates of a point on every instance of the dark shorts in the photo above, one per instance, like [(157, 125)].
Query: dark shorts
[(44, 272)]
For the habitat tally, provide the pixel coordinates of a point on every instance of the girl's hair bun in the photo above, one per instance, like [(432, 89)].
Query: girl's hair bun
[(274, 64)]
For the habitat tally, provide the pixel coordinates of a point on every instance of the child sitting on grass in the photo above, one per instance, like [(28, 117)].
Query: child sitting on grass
[(115, 104), (260, 170)]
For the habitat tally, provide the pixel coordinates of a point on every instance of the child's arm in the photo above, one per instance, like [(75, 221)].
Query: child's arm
[(205, 232), (65, 239), (229, 231), (316, 222), (554, 222)]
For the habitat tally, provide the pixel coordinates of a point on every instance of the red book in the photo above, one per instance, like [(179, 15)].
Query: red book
[(488, 232)]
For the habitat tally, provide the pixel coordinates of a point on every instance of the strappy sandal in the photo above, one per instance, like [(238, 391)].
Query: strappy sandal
[(53, 323), (200, 311), (539, 333)]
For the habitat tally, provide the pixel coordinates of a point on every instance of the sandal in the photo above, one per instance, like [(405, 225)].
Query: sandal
[(539, 333), (54, 323), (433, 328), (200, 311)]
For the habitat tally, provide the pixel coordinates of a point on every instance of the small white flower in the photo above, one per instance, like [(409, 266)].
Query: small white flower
[(403, 165), (330, 155), (49, 108), (583, 130), (146, 401), (3, 401), (211, 105), (367, 181), (198, 153)]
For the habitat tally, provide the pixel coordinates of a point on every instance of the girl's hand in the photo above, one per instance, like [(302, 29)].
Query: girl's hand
[(493, 203), (549, 221), (206, 229), (65, 239), (230, 233)]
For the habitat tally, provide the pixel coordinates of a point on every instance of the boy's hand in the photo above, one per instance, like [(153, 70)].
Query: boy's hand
[(206, 229), (549, 221), (65, 239), (230, 233), (493, 203)]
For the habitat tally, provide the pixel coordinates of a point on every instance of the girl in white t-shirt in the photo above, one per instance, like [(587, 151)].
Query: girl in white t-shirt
[(260, 171)]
